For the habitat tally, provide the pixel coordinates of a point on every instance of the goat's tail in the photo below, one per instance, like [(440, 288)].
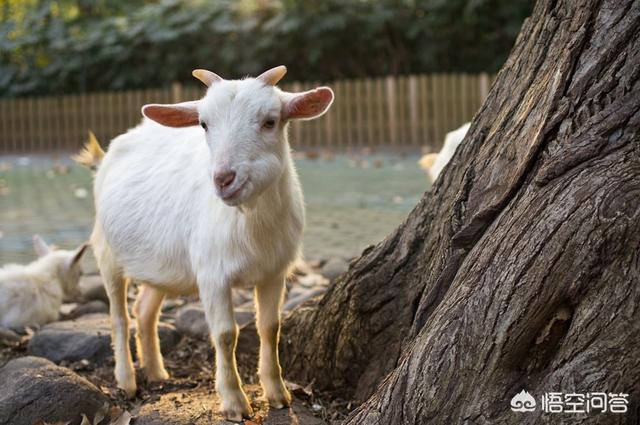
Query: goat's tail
[(426, 162), (91, 153)]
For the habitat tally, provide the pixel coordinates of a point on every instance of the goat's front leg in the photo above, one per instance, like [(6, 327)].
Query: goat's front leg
[(218, 307), (268, 299)]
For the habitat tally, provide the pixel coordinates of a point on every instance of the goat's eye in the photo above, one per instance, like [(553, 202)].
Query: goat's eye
[(269, 123), (203, 125)]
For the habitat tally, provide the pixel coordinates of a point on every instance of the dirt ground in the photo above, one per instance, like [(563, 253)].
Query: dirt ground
[(188, 397)]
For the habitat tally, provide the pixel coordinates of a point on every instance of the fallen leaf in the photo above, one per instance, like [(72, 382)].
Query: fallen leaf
[(124, 419), (100, 413)]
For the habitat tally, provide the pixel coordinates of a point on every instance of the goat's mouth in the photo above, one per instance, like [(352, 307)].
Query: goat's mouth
[(231, 195)]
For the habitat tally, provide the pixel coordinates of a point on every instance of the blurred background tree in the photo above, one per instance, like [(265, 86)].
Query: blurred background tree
[(70, 46)]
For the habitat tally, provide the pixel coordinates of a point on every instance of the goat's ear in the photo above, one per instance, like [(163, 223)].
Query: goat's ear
[(307, 105), (40, 246), (77, 256), (183, 114)]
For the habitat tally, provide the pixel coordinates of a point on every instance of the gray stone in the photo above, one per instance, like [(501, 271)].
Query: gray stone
[(248, 340), (88, 337), (190, 319), (92, 307), (32, 389), (301, 267), (333, 268), (295, 291), (8, 337), (172, 304), (305, 295), (241, 296), (312, 280), (244, 315)]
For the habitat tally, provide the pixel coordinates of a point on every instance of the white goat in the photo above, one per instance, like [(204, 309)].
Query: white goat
[(205, 208), (31, 295), (435, 162)]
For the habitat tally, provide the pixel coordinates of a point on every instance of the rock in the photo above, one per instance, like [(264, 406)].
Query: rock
[(241, 296), (298, 299), (301, 267), (244, 314), (314, 263), (66, 309), (248, 340), (313, 279), (92, 288), (33, 389), (92, 307), (8, 337), (190, 319), (172, 304), (88, 337), (333, 268), (295, 291)]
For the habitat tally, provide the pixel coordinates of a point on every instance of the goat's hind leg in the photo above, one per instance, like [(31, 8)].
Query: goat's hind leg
[(116, 286), (147, 310)]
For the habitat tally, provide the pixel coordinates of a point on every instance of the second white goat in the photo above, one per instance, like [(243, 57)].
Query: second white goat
[(31, 295), (203, 197)]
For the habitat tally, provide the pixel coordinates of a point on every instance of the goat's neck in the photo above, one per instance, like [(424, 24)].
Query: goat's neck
[(276, 199)]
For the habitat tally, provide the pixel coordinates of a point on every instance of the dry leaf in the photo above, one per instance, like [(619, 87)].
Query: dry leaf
[(100, 414), (124, 419)]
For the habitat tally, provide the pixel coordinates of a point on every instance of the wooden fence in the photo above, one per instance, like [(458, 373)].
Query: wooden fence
[(394, 111)]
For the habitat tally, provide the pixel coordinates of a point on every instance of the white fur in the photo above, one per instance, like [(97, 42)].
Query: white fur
[(31, 295), (160, 220), (451, 143)]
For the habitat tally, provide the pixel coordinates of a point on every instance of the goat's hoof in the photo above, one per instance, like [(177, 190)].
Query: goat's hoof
[(129, 389), (237, 408), (128, 384), (157, 374), (281, 401)]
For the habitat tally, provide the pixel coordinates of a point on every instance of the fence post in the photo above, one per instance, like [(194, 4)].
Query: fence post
[(391, 109), (413, 108), (484, 86), (176, 92)]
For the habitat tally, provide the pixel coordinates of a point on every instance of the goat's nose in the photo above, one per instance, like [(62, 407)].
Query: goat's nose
[(224, 178)]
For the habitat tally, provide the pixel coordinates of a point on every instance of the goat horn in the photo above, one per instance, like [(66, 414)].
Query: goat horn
[(272, 76), (207, 77)]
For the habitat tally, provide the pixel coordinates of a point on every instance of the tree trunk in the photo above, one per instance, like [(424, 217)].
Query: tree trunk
[(521, 268)]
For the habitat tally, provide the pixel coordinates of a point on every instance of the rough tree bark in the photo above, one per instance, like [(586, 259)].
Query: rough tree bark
[(521, 268)]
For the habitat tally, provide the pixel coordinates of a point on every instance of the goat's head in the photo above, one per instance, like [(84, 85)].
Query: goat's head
[(244, 123), (67, 263)]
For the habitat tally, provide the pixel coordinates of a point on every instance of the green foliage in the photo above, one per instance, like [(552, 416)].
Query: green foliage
[(67, 46)]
